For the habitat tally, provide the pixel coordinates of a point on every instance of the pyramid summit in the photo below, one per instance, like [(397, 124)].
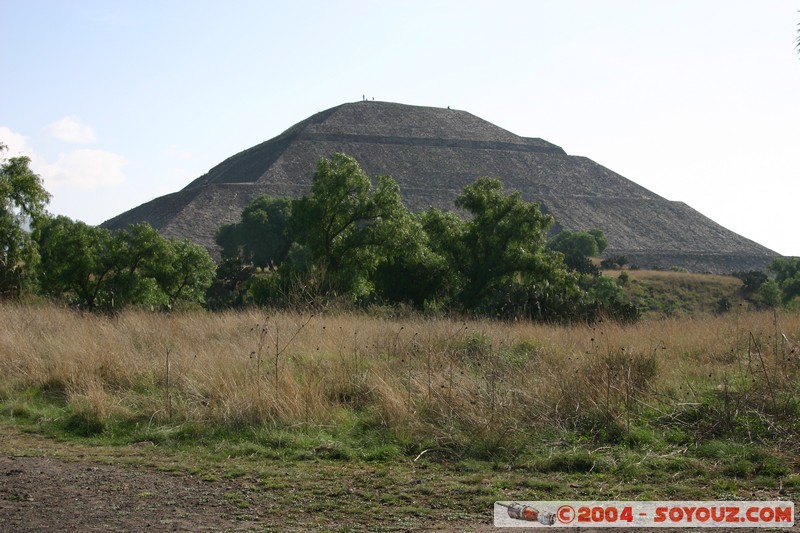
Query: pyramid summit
[(433, 153)]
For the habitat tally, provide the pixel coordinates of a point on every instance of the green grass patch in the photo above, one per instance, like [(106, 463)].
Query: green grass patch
[(681, 294)]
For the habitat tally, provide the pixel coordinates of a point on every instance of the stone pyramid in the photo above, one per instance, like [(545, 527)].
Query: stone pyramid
[(433, 153)]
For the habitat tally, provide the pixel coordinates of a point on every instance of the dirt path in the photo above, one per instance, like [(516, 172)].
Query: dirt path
[(47, 494), (40, 494), (50, 486)]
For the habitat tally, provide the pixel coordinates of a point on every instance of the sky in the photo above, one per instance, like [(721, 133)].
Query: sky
[(117, 103)]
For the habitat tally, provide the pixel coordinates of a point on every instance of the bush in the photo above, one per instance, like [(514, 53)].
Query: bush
[(614, 262)]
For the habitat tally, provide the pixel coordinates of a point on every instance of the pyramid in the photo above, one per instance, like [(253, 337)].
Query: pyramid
[(433, 153)]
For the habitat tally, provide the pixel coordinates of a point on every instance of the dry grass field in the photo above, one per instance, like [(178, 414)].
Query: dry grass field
[(462, 386)]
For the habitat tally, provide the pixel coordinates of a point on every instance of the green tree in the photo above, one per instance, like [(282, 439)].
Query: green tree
[(578, 247), (769, 293), (22, 202), (787, 276), (446, 233), (183, 271), (600, 239), (446, 236), (606, 291), (347, 225), (136, 252), (507, 254), (751, 281), (409, 270), (579, 243), (96, 269), (264, 234), (78, 261), (227, 288), (353, 237), (617, 261)]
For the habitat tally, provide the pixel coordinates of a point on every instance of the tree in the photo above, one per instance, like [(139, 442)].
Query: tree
[(264, 234), (605, 291), (409, 270), (22, 202), (578, 247), (617, 261), (96, 269), (787, 276), (227, 288), (446, 235), (769, 294), (136, 252), (353, 237), (347, 224), (334, 239), (77, 261), (751, 281), (184, 272), (600, 239), (507, 254), (579, 243)]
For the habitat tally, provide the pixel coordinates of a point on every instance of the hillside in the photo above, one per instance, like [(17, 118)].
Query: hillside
[(667, 293)]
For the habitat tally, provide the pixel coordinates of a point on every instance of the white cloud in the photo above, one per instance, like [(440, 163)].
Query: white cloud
[(16, 142), (85, 169), (77, 169), (71, 130)]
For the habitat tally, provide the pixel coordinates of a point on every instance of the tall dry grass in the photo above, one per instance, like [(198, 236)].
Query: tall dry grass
[(449, 381)]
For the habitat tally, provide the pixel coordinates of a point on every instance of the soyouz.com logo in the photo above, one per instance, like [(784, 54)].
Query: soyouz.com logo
[(725, 514)]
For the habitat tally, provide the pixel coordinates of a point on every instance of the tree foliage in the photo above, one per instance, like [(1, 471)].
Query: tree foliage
[(578, 247), (332, 241), (505, 241), (769, 294), (410, 271), (264, 234), (787, 276), (349, 226), (22, 202), (352, 236), (184, 272), (77, 260), (779, 285), (579, 243), (228, 287), (751, 281), (599, 239), (94, 268)]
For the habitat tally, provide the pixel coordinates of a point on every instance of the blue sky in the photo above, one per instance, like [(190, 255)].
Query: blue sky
[(699, 101)]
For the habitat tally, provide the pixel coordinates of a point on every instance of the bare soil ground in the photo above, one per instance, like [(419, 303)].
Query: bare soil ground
[(47, 485), (51, 494)]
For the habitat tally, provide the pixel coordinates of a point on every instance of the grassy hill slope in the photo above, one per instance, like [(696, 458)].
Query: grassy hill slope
[(668, 293)]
